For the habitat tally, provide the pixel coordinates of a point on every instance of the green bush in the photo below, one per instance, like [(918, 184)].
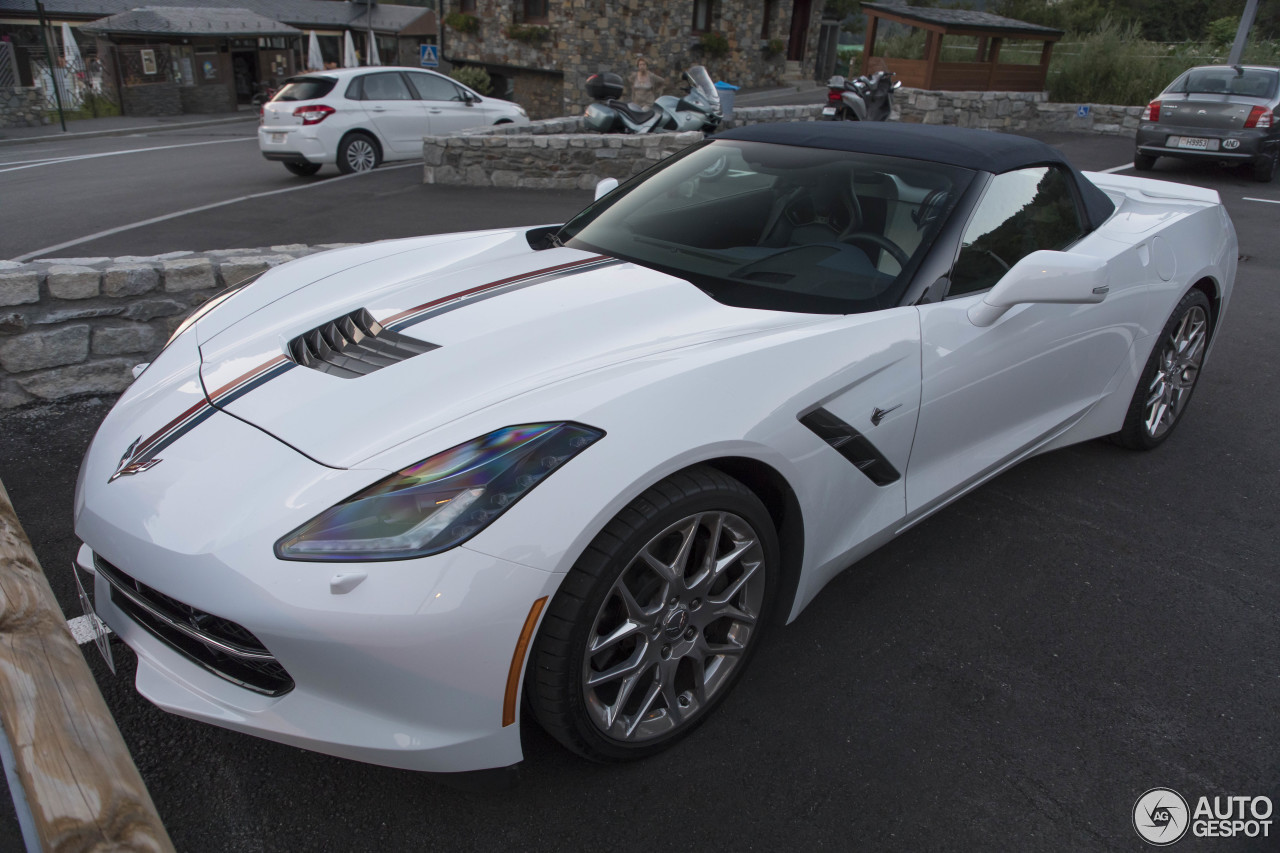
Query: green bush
[(473, 76), (1115, 65), (468, 24), (714, 45), (528, 34)]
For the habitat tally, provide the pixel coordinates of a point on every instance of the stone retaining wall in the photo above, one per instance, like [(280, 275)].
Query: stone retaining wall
[(22, 108), (75, 326), (561, 154), (151, 99)]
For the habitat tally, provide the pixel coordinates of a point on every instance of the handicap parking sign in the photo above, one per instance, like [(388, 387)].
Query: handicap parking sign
[(1082, 111), (428, 55)]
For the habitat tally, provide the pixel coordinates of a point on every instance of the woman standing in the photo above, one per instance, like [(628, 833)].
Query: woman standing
[(643, 82)]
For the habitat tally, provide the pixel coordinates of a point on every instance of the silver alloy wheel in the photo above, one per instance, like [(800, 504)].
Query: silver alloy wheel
[(674, 626), (360, 155), (1177, 372)]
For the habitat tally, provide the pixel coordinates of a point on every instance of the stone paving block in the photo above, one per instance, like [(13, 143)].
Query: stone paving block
[(109, 376), (45, 348), (118, 340), (181, 276), (66, 281), (19, 288), (129, 280)]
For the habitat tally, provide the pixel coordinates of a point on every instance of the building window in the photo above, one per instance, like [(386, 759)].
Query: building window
[(535, 11), (702, 15), (467, 7), (768, 19)]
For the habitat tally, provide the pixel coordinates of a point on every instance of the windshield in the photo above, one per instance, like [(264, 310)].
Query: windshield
[(305, 89), (1250, 82), (701, 81), (776, 226)]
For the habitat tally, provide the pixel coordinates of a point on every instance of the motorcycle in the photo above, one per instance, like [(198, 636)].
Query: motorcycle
[(697, 109), (862, 98)]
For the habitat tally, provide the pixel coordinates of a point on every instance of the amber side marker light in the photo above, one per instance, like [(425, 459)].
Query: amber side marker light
[(517, 662)]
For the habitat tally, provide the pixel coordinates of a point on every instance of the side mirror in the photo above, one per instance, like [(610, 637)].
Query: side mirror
[(1044, 276), (605, 187)]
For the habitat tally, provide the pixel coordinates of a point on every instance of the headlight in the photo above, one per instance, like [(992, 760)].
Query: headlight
[(442, 501)]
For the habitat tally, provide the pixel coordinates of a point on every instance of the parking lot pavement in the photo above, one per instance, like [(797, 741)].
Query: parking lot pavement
[(1009, 675)]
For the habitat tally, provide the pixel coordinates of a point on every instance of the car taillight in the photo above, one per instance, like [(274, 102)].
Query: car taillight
[(1152, 112), (1259, 117), (315, 114), (833, 94)]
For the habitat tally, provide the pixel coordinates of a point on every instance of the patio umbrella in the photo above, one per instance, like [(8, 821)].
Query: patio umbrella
[(348, 51), (315, 60), (372, 53), (70, 51)]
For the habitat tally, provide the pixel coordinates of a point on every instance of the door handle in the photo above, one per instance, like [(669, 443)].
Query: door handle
[(379, 109), (435, 111)]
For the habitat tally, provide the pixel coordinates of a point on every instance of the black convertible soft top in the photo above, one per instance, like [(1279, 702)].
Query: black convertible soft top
[(981, 150)]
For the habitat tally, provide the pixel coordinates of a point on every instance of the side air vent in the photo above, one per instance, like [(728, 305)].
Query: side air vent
[(354, 345), (852, 445)]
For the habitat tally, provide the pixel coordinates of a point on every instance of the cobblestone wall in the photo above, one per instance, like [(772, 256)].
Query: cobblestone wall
[(74, 326), (207, 99), (1013, 112), (581, 37), (151, 99), (22, 108), (558, 154)]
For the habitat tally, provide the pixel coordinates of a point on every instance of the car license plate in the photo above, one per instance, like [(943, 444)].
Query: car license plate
[(828, 111), (1198, 143), (96, 625), (278, 138)]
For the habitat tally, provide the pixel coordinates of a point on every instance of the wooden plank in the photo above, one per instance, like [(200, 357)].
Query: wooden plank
[(76, 772)]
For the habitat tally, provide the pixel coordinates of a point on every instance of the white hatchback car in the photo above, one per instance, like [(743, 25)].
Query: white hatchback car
[(359, 117)]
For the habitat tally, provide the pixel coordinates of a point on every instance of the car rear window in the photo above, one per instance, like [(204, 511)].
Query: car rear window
[(305, 89), (1249, 82)]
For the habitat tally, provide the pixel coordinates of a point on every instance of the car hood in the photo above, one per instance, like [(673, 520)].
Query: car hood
[(503, 319)]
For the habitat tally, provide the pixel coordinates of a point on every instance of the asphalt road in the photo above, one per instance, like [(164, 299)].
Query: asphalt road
[(148, 191), (1009, 675)]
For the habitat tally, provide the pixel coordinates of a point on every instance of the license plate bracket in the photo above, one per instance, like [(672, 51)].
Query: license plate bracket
[(278, 138), (96, 625)]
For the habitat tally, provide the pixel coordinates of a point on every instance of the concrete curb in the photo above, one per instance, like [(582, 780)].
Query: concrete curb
[(124, 131)]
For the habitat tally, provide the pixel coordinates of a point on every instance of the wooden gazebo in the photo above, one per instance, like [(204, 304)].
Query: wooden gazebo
[(986, 73)]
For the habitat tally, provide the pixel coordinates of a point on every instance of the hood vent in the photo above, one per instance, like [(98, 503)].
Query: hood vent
[(354, 345)]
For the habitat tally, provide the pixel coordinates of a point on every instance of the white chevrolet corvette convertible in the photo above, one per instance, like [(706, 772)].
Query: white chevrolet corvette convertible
[(389, 502)]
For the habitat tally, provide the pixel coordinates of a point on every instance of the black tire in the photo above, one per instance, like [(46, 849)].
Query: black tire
[(302, 170), (1264, 170), (1165, 377), (1144, 162), (358, 152), (700, 499)]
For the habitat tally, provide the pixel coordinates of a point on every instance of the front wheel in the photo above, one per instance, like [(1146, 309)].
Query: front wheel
[(357, 153), (1170, 375), (658, 618)]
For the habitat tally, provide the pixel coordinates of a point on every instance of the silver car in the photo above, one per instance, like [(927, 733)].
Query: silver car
[(1223, 113)]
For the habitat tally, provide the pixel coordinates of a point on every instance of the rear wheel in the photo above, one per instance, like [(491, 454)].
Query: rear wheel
[(1264, 170), (1144, 162), (357, 153), (658, 618), (302, 169), (1165, 387)]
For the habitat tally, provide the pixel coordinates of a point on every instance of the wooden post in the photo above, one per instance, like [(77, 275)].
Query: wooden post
[(76, 773), (869, 43), (1045, 55), (995, 60), (932, 51)]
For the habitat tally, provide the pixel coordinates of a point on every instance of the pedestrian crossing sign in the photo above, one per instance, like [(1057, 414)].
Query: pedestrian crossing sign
[(429, 55)]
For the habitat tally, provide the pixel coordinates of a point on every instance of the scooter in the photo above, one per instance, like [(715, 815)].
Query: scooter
[(697, 109), (862, 98)]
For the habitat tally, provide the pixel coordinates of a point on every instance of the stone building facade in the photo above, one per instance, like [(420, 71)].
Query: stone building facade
[(542, 51)]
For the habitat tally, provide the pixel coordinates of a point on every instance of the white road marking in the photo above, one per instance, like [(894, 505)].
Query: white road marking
[(78, 157), (82, 629), (45, 252), (1263, 200), (1115, 169)]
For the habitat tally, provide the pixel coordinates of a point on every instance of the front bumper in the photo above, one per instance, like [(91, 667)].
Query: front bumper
[(1242, 146), (408, 668)]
